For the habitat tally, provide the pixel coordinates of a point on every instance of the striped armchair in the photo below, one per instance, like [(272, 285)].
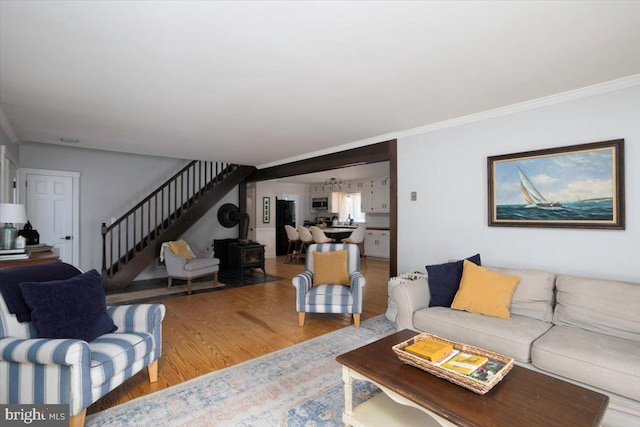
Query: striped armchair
[(330, 298), (75, 372)]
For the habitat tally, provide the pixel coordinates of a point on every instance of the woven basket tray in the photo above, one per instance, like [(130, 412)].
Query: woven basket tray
[(466, 381)]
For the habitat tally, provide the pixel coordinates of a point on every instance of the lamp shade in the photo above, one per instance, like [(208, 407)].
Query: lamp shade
[(12, 213)]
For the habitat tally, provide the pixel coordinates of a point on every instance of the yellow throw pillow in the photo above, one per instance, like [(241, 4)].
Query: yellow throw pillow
[(181, 248), (485, 292), (331, 268)]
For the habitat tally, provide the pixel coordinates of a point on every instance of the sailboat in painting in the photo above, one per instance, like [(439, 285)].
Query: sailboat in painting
[(531, 193)]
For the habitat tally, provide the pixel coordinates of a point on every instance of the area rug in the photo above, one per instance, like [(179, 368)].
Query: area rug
[(297, 386), (142, 291)]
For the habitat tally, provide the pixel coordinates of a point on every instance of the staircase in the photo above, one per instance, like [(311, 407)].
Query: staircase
[(133, 242)]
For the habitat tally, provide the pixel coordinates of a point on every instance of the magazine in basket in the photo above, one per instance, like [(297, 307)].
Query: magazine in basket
[(490, 369)]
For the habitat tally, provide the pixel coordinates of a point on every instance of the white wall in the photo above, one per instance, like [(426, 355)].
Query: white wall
[(448, 169), (110, 184)]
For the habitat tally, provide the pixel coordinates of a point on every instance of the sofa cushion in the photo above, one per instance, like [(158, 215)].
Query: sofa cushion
[(331, 268), (605, 306), (512, 337), (485, 292), (328, 298), (70, 308), (10, 279), (182, 248), (444, 281), (201, 263), (610, 363), (111, 354), (534, 296)]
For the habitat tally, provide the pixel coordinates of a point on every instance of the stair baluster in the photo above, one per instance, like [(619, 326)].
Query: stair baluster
[(127, 239)]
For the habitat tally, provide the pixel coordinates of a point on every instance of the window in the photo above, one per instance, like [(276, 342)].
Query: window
[(349, 207)]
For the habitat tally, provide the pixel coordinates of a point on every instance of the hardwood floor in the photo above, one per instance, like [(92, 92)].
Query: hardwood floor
[(206, 332)]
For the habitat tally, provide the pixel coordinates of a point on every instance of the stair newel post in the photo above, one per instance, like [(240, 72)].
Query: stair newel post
[(103, 231)]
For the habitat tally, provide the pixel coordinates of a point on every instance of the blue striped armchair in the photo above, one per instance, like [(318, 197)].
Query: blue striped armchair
[(329, 297), (72, 371)]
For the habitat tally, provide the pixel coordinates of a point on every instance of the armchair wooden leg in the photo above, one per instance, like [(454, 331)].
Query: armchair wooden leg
[(153, 371), (78, 420), (215, 277), (189, 286), (169, 279), (356, 320), (301, 318)]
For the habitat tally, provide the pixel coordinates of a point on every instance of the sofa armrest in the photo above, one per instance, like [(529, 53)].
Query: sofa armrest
[(358, 282), (137, 317), (303, 283), (56, 368), (410, 297), (44, 351)]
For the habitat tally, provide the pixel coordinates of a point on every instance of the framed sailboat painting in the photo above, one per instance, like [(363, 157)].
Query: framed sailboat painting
[(578, 186)]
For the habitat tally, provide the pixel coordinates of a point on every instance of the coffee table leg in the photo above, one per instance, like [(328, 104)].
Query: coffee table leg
[(348, 394)]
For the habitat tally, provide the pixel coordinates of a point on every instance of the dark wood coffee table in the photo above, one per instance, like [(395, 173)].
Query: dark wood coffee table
[(523, 398)]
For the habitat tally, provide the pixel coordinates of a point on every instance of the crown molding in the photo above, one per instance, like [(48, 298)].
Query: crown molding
[(585, 92), (7, 128)]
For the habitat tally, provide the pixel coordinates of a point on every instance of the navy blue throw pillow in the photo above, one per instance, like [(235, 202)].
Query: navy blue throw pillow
[(444, 281), (70, 308)]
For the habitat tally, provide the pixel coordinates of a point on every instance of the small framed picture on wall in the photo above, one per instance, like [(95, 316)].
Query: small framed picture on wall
[(266, 210)]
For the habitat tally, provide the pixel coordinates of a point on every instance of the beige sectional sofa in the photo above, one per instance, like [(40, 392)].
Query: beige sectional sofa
[(583, 330)]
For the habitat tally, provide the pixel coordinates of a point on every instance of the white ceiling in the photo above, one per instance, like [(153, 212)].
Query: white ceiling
[(260, 82)]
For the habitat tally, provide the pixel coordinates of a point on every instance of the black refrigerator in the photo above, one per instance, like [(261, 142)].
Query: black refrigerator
[(285, 215)]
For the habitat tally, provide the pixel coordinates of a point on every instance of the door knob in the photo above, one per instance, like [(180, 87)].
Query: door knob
[(66, 238)]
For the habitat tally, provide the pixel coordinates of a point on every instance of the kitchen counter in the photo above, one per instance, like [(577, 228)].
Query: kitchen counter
[(338, 229)]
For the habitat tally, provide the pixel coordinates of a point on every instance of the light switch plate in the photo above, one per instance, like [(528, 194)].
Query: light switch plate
[(414, 196)]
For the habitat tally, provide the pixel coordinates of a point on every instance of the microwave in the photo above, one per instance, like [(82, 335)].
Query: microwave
[(320, 203)]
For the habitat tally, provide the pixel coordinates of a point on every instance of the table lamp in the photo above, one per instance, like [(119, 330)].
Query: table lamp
[(11, 214)]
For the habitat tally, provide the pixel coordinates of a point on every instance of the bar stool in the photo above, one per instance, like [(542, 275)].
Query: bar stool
[(294, 242), (319, 236), (306, 239), (357, 238)]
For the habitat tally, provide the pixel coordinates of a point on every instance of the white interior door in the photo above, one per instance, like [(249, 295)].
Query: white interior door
[(50, 199)]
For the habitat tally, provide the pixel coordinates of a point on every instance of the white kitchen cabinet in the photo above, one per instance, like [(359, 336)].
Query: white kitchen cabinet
[(318, 190), (381, 194), (358, 185), (375, 196), (377, 244)]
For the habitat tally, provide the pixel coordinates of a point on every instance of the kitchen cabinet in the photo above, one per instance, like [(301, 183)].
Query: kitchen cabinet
[(377, 244), (358, 185), (375, 196), (318, 190), (381, 194)]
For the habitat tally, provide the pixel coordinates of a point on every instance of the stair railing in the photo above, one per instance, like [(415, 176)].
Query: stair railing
[(143, 223)]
